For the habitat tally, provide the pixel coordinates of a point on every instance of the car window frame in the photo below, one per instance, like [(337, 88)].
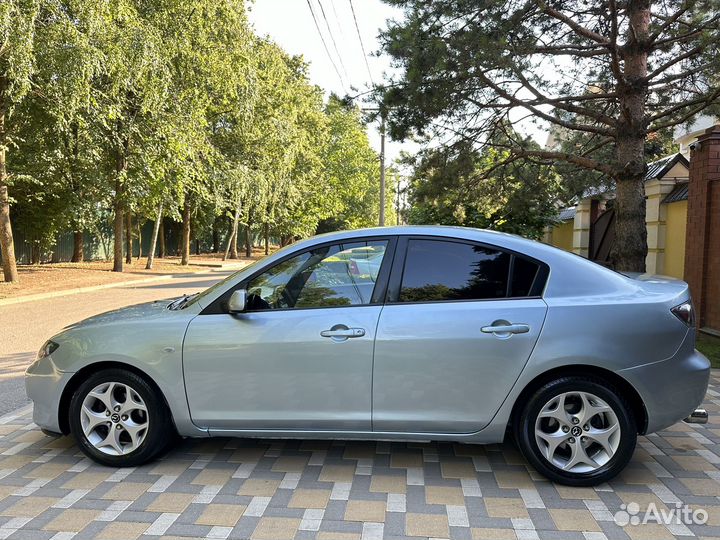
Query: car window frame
[(392, 297), (219, 306)]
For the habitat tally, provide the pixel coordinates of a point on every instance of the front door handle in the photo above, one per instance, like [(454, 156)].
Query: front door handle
[(342, 332), (504, 328)]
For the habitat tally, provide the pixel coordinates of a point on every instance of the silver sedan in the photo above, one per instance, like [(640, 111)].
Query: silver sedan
[(423, 333)]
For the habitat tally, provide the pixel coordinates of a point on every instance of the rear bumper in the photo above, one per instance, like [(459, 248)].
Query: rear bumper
[(672, 389)]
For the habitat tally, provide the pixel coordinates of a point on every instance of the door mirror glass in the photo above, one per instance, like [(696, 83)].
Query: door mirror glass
[(236, 304)]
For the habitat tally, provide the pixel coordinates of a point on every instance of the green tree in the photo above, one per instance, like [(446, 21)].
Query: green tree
[(56, 155), (615, 71), (352, 170), (453, 186), (17, 62)]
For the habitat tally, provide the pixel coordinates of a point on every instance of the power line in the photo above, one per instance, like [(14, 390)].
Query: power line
[(337, 19), (327, 51), (362, 46), (332, 38)]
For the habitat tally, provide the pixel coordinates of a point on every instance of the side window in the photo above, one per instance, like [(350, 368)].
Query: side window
[(441, 270), (525, 273), (336, 275)]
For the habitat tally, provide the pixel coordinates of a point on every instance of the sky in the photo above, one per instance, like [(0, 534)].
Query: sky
[(290, 24)]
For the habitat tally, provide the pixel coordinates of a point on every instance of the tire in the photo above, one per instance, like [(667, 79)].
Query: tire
[(132, 431), (584, 453)]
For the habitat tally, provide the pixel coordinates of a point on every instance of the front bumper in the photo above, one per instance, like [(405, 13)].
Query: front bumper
[(44, 384), (671, 389)]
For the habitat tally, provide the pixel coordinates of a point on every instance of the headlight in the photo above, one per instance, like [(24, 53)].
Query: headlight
[(47, 349)]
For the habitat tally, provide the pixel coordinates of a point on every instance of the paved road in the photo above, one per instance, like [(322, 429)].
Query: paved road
[(351, 490), (25, 327)]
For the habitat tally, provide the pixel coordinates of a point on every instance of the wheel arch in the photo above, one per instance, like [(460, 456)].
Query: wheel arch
[(628, 390), (84, 373)]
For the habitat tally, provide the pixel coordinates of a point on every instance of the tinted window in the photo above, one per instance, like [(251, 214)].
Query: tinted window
[(524, 274), (337, 275), (439, 270)]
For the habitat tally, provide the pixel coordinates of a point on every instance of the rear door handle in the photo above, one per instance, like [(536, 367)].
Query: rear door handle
[(343, 332), (506, 329)]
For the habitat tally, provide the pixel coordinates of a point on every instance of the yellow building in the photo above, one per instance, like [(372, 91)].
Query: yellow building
[(676, 207), (561, 235), (586, 228)]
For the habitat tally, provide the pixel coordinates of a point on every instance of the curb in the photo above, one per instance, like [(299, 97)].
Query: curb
[(68, 292)]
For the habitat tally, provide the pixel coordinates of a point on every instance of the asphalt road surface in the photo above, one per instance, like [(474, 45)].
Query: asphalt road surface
[(24, 327)]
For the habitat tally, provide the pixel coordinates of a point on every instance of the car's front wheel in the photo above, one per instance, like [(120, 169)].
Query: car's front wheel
[(577, 431), (118, 419)]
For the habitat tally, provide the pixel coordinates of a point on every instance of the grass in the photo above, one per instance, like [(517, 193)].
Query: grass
[(710, 347)]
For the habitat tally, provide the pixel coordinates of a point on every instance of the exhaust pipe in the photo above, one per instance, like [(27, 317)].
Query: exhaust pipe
[(698, 416)]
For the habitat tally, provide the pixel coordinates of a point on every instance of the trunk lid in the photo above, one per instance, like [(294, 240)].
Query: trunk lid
[(669, 287)]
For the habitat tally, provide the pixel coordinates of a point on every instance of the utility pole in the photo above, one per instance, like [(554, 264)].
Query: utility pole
[(381, 221), (382, 169)]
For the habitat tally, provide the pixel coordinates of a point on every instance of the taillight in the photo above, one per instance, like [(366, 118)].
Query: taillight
[(685, 313)]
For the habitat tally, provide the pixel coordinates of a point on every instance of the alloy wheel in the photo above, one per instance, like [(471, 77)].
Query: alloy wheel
[(114, 418), (577, 432)]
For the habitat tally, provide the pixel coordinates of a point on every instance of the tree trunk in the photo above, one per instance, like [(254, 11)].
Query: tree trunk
[(197, 246), (128, 238), (216, 236), (630, 247), (234, 247), (161, 234), (118, 227), (120, 167), (185, 251), (139, 230), (266, 234), (153, 240), (7, 246), (78, 247), (232, 241), (248, 241)]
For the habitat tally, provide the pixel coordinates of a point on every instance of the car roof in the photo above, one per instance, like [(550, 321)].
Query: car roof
[(500, 239), (569, 272)]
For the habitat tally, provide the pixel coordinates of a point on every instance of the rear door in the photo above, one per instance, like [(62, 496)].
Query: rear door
[(459, 325)]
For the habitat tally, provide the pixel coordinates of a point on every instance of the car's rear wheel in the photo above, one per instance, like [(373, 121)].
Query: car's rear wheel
[(577, 431), (118, 419)]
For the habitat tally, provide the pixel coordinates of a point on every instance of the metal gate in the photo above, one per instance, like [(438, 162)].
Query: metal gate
[(602, 237)]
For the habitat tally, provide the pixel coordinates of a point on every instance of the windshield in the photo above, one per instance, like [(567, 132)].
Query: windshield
[(192, 299)]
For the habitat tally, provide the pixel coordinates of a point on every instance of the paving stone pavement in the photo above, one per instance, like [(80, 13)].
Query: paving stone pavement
[(304, 490)]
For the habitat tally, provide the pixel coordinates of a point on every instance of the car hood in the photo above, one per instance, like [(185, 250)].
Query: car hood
[(146, 311)]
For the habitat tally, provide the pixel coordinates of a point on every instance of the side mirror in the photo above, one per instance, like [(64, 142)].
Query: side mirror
[(236, 304)]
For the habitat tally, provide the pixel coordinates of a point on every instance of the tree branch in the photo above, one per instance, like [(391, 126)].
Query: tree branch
[(559, 103), (577, 28), (664, 67), (696, 105), (520, 103)]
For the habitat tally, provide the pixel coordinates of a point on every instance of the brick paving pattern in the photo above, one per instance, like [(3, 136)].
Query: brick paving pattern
[(335, 490)]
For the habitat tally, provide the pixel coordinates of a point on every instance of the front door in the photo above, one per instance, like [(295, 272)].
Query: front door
[(460, 325), (300, 358)]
